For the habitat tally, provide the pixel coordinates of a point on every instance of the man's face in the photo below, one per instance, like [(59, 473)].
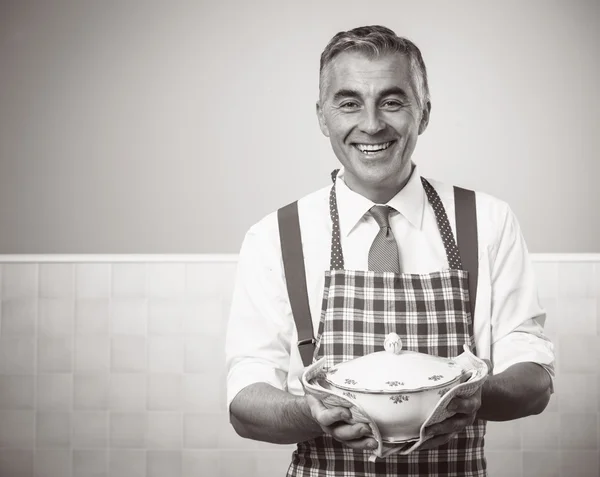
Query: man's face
[(369, 110)]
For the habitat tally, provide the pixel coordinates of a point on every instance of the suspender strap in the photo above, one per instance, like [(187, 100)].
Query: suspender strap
[(295, 277), (466, 235)]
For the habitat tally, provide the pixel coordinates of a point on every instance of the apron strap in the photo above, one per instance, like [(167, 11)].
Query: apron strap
[(295, 277), (466, 236)]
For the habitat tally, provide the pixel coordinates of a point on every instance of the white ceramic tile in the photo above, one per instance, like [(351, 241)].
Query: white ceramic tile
[(201, 430), (577, 393), (92, 353), (129, 316), (55, 354), (90, 463), (166, 280), (54, 392), (165, 430), (19, 317), (129, 280), (92, 280), (245, 463), (539, 463), (57, 280), (578, 354), (540, 432), (553, 319), (201, 354), (89, 429), (210, 279), (577, 313), (160, 463), (17, 429), (16, 462), (128, 429), (580, 463), (229, 439), (16, 392), (273, 463), (165, 316), (579, 431), (57, 316), (53, 463), (128, 354), (576, 279), (503, 435), (204, 392), (92, 316), (201, 462), (127, 463), (127, 392), (546, 276), (19, 280), (17, 355), (165, 354), (164, 392), (90, 392), (53, 429), (206, 316)]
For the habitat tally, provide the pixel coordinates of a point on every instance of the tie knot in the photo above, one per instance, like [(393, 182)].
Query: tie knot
[(380, 213)]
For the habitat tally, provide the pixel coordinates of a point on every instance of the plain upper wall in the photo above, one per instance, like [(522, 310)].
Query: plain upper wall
[(172, 127)]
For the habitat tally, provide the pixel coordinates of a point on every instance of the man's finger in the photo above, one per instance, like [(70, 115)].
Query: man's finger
[(438, 441), (324, 416), (348, 432)]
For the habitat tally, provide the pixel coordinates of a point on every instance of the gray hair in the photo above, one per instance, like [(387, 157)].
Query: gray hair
[(375, 41)]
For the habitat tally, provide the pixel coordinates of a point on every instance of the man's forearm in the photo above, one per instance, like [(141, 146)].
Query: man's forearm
[(520, 391), (264, 413)]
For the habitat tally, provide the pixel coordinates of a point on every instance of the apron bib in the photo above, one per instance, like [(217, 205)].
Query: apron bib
[(430, 313)]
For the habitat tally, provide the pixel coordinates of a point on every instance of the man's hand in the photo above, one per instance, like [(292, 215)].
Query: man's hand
[(465, 408), (334, 422)]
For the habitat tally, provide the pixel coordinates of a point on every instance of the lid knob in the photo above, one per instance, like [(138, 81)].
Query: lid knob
[(392, 343)]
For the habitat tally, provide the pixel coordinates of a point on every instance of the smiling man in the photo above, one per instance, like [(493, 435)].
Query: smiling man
[(376, 252)]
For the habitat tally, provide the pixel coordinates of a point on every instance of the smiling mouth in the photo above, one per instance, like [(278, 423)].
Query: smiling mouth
[(372, 148)]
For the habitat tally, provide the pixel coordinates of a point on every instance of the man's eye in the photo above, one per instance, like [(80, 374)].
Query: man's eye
[(392, 104), (349, 105)]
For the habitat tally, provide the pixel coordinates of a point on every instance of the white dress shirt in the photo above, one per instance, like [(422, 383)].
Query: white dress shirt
[(261, 344)]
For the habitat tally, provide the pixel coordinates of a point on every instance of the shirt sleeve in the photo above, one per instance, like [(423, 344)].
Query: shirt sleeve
[(517, 317), (257, 346)]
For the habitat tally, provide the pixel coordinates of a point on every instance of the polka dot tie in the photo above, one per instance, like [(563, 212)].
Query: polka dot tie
[(383, 255)]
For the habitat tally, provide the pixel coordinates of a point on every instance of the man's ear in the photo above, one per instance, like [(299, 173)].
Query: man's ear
[(321, 118), (425, 117)]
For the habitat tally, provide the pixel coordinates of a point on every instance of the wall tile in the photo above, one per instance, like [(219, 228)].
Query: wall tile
[(201, 431), (579, 431), (166, 280), (165, 354), (580, 463), (160, 463), (164, 392), (541, 432), (546, 276), (129, 316), (55, 354), (17, 392), (92, 316), (210, 279), (165, 430), (17, 429), (128, 354), (577, 314), (129, 280), (19, 280), (127, 392), (165, 316), (91, 392), (16, 462), (275, 463), (53, 463), (576, 279), (201, 354), (128, 429), (92, 353), (127, 463), (57, 316), (57, 280), (201, 462), (53, 429), (19, 316), (578, 353), (89, 429), (537, 464), (578, 393), (92, 280), (90, 463), (206, 316), (503, 435), (245, 463), (504, 463), (229, 439), (54, 392), (17, 355), (204, 392)]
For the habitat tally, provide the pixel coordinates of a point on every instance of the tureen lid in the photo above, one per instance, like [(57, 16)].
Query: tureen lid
[(393, 370)]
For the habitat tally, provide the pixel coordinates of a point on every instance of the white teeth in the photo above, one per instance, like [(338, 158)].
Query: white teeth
[(373, 147)]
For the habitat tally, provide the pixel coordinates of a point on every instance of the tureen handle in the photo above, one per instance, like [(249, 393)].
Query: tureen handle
[(392, 343)]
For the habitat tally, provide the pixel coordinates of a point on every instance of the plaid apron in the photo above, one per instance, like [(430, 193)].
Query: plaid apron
[(430, 312)]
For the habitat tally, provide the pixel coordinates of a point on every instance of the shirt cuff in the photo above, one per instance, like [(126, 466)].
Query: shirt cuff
[(246, 373)]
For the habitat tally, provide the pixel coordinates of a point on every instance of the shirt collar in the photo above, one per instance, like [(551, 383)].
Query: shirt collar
[(352, 207)]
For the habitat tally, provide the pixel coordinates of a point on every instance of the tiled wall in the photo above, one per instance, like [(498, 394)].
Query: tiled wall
[(116, 369)]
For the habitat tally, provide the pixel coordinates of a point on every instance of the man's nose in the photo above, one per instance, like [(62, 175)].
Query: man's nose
[(371, 121)]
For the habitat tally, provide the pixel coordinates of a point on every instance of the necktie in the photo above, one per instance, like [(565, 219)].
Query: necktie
[(383, 256)]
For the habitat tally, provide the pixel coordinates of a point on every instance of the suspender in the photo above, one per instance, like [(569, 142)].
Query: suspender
[(295, 273)]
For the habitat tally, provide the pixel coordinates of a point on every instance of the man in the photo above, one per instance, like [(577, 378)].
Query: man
[(381, 219)]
